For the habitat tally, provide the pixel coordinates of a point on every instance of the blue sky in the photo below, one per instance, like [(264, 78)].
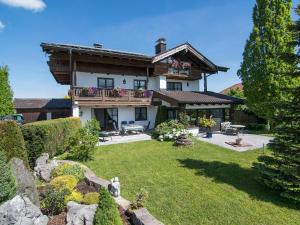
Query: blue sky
[(218, 29)]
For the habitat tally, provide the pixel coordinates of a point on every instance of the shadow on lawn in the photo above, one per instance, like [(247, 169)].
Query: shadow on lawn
[(243, 179)]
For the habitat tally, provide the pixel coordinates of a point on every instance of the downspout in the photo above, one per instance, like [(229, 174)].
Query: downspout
[(205, 82)]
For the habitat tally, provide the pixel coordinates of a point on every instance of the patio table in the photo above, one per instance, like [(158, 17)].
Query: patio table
[(239, 128), (132, 127)]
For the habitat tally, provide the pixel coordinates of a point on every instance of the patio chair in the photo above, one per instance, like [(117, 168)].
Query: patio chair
[(123, 122), (147, 127), (131, 122), (116, 130), (227, 129)]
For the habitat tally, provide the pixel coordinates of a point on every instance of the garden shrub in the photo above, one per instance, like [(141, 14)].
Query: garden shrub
[(74, 196), (184, 119), (82, 145), (93, 126), (140, 200), (91, 198), (53, 202), (7, 181), (169, 130), (68, 169), (48, 136), (257, 127), (64, 182), (107, 212), (12, 142)]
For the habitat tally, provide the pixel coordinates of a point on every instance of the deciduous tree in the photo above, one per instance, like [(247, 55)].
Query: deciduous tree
[(262, 70)]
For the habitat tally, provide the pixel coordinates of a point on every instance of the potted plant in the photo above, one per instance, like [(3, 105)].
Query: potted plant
[(208, 123), (139, 93), (118, 92)]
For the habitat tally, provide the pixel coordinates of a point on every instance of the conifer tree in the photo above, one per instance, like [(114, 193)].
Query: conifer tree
[(6, 94), (281, 170), (7, 181), (261, 70)]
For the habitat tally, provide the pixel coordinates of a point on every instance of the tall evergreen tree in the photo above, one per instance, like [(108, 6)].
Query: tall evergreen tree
[(6, 94), (281, 170), (261, 70)]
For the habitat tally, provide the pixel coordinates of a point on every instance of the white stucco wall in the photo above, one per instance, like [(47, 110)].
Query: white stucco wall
[(90, 80), (162, 82), (193, 85), (85, 114), (124, 114), (128, 114)]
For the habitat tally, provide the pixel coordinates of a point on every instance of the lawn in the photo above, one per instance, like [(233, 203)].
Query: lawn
[(204, 184)]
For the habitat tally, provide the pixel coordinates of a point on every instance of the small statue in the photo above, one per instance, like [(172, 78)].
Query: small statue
[(115, 187)]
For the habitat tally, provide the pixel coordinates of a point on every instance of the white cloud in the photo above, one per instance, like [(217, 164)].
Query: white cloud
[(35, 5), (2, 26)]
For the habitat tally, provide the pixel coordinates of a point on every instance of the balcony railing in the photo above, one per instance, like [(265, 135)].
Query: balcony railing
[(111, 95)]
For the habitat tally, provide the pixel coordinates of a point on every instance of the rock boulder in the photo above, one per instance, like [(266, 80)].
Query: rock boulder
[(44, 167), (24, 181), (80, 214), (21, 211)]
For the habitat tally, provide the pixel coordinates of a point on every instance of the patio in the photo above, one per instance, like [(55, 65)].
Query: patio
[(124, 139), (253, 141)]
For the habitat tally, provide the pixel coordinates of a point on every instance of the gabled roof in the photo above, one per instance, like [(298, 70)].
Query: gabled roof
[(42, 103), (189, 97), (233, 87), (49, 47), (188, 48)]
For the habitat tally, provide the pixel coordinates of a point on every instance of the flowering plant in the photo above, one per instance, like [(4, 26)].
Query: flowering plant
[(118, 92), (208, 123), (139, 93)]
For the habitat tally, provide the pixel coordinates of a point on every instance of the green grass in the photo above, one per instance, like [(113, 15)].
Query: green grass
[(204, 184)]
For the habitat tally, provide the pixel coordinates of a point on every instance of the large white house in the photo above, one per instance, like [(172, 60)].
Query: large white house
[(116, 86)]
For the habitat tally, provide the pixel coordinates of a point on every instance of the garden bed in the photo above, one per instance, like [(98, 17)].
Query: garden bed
[(62, 179)]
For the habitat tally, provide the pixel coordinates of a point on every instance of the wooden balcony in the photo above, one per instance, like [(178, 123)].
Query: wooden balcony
[(103, 98)]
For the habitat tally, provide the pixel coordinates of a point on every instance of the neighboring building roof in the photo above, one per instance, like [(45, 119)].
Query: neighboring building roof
[(188, 47), (188, 97), (233, 87), (42, 103), (47, 47)]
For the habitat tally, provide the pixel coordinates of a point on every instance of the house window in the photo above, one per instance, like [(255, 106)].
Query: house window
[(172, 114), (139, 84), (174, 86), (140, 113), (106, 83)]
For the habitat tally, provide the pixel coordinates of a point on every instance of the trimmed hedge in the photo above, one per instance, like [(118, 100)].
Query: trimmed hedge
[(49, 136), (107, 212), (12, 142)]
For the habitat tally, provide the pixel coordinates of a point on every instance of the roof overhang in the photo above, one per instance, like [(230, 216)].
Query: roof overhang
[(200, 98), (188, 48)]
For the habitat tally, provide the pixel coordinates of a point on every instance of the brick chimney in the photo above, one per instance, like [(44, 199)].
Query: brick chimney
[(161, 46)]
